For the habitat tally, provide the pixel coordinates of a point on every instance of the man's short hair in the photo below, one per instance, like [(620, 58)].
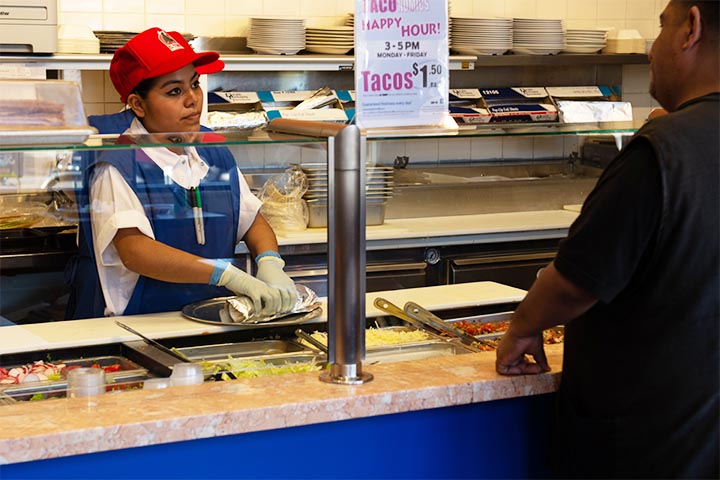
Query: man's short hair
[(708, 12)]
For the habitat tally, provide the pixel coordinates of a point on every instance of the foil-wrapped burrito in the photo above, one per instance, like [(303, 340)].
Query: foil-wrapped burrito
[(240, 309)]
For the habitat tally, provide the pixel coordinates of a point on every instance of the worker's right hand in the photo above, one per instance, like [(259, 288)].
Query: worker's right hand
[(267, 300), (511, 355)]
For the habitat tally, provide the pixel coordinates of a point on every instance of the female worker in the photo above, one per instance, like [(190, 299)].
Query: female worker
[(163, 222)]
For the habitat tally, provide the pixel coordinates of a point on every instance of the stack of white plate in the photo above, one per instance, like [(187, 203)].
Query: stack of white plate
[(378, 184), (277, 36), (332, 40), (533, 36), (77, 39), (585, 40), (481, 36)]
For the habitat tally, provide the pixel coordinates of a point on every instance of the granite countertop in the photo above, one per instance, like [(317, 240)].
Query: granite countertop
[(57, 428), (63, 427)]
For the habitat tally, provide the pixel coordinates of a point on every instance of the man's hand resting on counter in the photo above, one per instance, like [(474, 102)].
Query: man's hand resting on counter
[(511, 356), (552, 300)]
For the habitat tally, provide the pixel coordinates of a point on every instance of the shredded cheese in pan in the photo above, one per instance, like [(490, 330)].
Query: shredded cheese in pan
[(376, 337)]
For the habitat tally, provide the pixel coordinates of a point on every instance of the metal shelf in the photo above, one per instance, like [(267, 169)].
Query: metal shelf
[(233, 63), (512, 60), (316, 62)]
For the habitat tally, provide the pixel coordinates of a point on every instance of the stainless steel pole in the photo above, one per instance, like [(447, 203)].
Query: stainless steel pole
[(346, 258)]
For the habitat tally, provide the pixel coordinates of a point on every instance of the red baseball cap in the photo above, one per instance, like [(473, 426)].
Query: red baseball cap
[(156, 52)]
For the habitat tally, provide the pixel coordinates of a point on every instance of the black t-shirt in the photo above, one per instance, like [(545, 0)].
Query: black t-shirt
[(607, 243), (640, 390)]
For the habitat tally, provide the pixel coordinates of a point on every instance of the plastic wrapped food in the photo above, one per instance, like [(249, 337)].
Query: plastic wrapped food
[(283, 206)]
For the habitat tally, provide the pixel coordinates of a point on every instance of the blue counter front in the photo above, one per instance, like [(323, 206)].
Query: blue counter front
[(498, 439)]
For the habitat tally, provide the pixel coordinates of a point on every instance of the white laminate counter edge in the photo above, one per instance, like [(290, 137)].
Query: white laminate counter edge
[(99, 331), (402, 230)]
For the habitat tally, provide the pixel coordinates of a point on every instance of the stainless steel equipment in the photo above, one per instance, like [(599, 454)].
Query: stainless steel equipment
[(311, 340), (428, 318), (346, 246), (346, 258), (154, 343)]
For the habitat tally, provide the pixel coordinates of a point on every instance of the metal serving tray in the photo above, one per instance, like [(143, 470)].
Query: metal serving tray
[(213, 311), (264, 348), (103, 361), (415, 351), (115, 381), (268, 362), (60, 136), (128, 370)]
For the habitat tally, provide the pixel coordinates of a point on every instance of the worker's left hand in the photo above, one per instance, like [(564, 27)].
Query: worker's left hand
[(270, 271)]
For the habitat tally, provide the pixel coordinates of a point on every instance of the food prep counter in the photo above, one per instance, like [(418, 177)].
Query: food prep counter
[(449, 230), (218, 420)]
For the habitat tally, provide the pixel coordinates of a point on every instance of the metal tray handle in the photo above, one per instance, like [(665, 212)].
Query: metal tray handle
[(427, 317)]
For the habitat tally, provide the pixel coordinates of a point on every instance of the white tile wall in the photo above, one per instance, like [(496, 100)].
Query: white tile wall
[(521, 8), (638, 14), (517, 148), (172, 7), (454, 150), (582, 10), (124, 6), (547, 147), (231, 17), (552, 9), (423, 151), (81, 5), (483, 149)]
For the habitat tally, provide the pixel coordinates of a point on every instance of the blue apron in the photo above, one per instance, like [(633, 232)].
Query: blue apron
[(169, 211)]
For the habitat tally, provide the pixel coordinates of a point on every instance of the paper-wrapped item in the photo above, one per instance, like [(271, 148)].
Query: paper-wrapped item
[(240, 309), (591, 112)]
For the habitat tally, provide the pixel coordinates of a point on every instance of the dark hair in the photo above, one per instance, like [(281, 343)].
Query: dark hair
[(144, 87), (709, 14)]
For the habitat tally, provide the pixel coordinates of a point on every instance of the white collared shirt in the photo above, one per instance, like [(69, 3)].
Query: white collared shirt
[(114, 205)]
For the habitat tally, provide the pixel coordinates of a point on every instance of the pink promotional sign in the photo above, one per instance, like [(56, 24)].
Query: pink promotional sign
[(401, 62)]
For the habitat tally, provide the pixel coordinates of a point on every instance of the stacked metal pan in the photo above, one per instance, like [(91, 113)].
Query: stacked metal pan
[(378, 191)]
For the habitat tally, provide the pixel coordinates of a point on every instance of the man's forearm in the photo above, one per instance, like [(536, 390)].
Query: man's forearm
[(552, 300), (260, 236)]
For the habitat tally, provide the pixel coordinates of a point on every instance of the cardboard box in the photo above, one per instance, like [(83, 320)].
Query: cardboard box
[(283, 103), (467, 106), (585, 92), (279, 104), (502, 105), (234, 102), (347, 99)]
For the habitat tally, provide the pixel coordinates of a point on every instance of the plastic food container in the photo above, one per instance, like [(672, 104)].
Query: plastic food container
[(42, 112)]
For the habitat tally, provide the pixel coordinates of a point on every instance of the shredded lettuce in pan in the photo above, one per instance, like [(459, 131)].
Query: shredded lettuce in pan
[(243, 368)]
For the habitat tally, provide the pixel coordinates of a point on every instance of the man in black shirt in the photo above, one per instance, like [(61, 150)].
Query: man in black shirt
[(637, 283)]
